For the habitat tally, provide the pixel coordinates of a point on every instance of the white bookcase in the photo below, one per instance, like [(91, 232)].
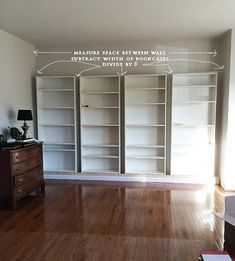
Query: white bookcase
[(145, 124), (100, 124), (193, 124), (56, 108)]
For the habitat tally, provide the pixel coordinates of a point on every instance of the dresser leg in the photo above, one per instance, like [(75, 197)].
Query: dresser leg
[(41, 190), (10, 203), (14, 205)]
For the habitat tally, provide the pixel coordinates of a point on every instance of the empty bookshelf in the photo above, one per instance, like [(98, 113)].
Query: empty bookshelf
[(145, 124), (100, 124), (56, 108), (193, 124)]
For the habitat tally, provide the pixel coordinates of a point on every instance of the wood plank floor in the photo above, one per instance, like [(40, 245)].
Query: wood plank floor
[(113, 221)]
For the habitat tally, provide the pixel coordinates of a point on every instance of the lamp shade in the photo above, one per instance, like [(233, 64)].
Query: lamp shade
[(24, 115)]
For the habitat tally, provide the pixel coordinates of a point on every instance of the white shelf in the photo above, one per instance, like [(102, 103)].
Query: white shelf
[(100, 156), (145, 89), (146, 157), (149, 104), (198, 145), (146, 172), (59, 170), (193, 125), (56, 125), (100, 125), (145, 146), (99, 93), (99, 107), (55, 90), (57, 108), (195, 86), (145, 125), (59, 143), (180, 102), (103, 171), (101, 145), (62, 150)]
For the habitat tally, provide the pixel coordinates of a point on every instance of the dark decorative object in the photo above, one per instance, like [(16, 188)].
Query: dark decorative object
[(2, 140), (25, 115), (15, 133)]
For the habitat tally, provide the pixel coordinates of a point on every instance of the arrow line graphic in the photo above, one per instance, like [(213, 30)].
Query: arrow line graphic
[(68, 61), (36, 52), (159, 64), (218, 67), (214, 53), (121, 73), (78, 74)]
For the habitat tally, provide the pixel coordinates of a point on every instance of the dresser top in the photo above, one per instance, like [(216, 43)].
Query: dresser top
[(19, 147)]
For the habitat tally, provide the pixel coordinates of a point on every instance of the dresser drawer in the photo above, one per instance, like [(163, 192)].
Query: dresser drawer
[(25, 166), (26, 154), (21, 156), (28, 176), (28, 187)]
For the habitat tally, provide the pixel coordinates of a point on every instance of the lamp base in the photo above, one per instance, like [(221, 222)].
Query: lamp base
[(25, 129)]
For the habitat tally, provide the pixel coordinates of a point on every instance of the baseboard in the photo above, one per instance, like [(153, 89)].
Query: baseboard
[(228, 187), (134, 178)]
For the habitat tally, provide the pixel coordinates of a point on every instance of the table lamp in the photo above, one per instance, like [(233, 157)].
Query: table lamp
[(25, 115)]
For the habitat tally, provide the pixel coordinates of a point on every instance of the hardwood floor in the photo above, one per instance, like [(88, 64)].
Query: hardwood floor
[(113, 221)]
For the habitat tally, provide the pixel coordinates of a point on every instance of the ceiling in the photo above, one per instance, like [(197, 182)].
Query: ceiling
[(60, 22)]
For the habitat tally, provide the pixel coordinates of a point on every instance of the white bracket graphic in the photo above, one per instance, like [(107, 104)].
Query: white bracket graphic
[(218, 67), (36, 52), (94, 66), (214, 53), (122, 73)]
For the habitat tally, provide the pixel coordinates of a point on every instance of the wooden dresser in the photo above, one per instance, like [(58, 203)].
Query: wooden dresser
[(21, 172)]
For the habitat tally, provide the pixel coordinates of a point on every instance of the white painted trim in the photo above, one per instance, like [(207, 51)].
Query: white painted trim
[(146, 75), (196, 74), (54, 76), (100, 76), (136, 178)]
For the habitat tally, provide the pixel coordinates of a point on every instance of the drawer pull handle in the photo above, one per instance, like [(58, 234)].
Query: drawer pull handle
[(18, 157), (19, 190), (20, 179), (18, 168)]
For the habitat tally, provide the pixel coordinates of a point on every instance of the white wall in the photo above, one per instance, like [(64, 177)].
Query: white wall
[(17, 64), (228, 114)]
